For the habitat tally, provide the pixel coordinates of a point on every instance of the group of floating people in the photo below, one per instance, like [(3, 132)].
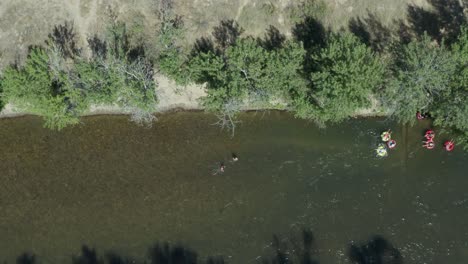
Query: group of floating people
[(429, 137), (428, 142), (388, 142)]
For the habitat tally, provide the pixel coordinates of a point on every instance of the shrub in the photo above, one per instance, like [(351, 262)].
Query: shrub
[(422, 71), (346, 72), (36, 89)]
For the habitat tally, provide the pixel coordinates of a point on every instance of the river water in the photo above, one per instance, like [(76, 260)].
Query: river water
[(118, 187)]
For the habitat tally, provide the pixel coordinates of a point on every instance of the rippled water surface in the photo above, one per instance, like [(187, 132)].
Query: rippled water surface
[(115, 186)]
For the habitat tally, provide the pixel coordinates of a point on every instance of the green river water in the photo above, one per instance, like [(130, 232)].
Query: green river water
[(118, 187)]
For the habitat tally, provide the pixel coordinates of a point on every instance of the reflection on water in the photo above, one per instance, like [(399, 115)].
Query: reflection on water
[(120, 188)]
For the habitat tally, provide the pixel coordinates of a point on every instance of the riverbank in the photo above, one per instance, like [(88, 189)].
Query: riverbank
[(171, 97), (174, 98)]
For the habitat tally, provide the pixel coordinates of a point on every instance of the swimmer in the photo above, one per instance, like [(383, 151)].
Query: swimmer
[(381, 151), (222, 167), (391, 144), (419, 116), (234, 157), (386, 135)]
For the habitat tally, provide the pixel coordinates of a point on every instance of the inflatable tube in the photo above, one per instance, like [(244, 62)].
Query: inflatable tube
[(429, 145), (391, 144), (449, 145), (430, 134), (381, 151), (386, 136)]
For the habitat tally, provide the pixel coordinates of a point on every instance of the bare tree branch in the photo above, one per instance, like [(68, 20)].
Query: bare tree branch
[(227, 117)]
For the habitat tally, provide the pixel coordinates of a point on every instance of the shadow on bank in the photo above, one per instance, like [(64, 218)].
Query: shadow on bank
[(442, 20), (300, 249)]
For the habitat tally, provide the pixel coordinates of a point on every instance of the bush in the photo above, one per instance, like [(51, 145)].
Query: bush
[(61, 89), (248, 73), (36, 89), (451, 109), (346, 72), (171, 59), (422, 72)]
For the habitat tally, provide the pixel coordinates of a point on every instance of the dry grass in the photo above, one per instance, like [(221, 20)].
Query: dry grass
[(28, 22)]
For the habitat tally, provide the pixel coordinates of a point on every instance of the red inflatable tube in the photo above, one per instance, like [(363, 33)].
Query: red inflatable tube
[(429, 144), (430, 134), (449, 145), (391, 144)]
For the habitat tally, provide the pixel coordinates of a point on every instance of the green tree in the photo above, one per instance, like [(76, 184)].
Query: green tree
[(249, 73), (37, 89), (122, 77), (171, 59), (209, 69), (346, 72), (451, 110), (422, 71), (281, 79), (1, 94)]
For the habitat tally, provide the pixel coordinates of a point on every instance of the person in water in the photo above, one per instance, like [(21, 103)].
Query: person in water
[(234, 157), (222, 167), (381, 151), (430, 134), (449, 145), (386, 136), (429, 144), (419, 116), (391, 144)]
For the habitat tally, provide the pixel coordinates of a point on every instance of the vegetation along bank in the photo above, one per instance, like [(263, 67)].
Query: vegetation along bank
[(317, 73)]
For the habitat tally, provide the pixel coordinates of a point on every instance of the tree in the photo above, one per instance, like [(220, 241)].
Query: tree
[(422, 71), (36, 89), (171, 58), (122, 76), (451, 109), (246, 73), (60, 90), (1, 94), (282, 78), (249, 73), (346, 72)]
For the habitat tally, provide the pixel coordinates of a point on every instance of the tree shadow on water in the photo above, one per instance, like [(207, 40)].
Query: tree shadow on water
[(289, 251), (165, 254), (295, 249), (375, 251), (88, 256), (113, 258), (26, 258)]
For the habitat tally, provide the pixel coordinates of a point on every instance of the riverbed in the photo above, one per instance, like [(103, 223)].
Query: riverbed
[(118, 187)]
